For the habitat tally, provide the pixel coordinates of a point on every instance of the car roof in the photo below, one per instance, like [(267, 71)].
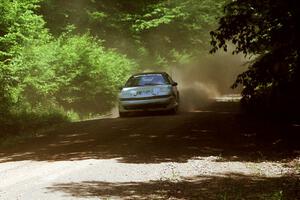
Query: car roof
[(146, 73)]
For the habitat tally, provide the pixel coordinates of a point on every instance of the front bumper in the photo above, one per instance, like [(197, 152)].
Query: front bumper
[(153, 104)]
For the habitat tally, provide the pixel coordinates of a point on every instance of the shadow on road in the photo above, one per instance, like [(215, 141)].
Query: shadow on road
[(219, 130), (231, 186)]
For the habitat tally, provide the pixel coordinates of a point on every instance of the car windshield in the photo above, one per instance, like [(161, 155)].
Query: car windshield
[(146, 79)]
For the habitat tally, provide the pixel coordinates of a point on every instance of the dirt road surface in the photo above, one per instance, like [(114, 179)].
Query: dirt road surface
[(214, 153)]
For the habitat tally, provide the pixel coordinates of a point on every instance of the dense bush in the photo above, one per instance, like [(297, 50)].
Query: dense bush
[(73, 71), (19, 26), (46, 79)]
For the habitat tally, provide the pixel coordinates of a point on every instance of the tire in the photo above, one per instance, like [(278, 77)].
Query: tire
[(174, 111)]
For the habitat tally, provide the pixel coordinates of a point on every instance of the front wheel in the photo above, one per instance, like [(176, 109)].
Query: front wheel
[(174, 110)]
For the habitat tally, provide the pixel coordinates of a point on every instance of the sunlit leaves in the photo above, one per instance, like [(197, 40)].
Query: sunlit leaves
[(97, 16), (18, 26), (156, 27), (38, 69), (71, 70), (157, 16)]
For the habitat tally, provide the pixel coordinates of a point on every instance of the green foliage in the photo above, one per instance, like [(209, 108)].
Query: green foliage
[(278, 195), (25, 122), (46, 79), (97, 16), (147, 31), (157, 15), (24, 119), (73, 71), (268, 30), (67, 66), (179, 26), (19, 26), (190, 14)]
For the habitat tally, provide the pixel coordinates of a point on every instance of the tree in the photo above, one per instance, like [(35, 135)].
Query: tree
[(176, 30), (156, 32), (267, 30), (42, 70), (73, 71), (19, 26)]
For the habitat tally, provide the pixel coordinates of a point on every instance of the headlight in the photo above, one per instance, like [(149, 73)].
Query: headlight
[(165, 90)]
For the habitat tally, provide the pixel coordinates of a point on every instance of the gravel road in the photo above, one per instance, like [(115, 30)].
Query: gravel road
[(216, 153)]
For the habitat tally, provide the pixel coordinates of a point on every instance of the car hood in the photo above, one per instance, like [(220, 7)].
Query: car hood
[(146, 91)]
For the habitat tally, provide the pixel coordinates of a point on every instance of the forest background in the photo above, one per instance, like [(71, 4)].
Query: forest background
[(65, 60)]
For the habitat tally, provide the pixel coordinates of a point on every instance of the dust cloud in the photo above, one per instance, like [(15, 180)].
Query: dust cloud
[(207, 78)]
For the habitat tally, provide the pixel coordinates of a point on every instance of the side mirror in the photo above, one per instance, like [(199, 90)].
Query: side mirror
[(175, 84)]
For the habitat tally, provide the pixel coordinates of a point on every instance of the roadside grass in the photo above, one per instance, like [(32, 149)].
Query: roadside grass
[(13, 139), (23, 124), (278, 195)]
